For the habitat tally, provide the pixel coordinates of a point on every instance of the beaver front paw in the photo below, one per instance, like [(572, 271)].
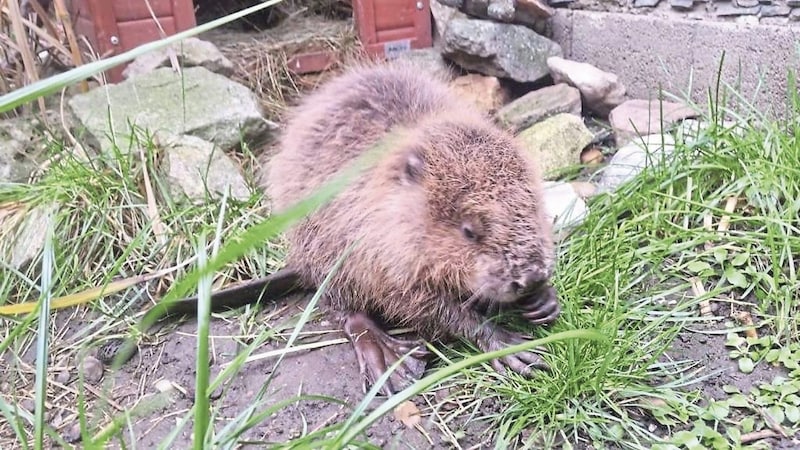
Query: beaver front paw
[(376, 350), (541, 307)]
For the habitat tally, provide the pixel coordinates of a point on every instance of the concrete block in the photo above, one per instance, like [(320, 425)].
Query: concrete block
[(682, 56)]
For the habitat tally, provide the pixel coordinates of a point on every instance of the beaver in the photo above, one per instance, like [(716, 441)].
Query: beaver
[(444, 231)]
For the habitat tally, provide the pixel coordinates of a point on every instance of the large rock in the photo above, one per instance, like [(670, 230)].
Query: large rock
[(190, 52), (498, 49), (564, 206), (634, 157), (193, 165), (556, 143), (602, 91), (538, 105), (642, 117), (443, 12), (197, 102), (31, 233), (533, 13), (485, 92)]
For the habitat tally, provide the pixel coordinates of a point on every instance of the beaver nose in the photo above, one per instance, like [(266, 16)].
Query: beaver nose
[(531, 282)]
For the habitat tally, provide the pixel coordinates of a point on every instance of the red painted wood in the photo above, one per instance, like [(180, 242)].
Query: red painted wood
[(311, 62), (388, 27), (116, 26)]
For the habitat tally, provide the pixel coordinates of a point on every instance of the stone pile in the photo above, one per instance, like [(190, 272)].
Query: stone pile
[(515, 73), (741, 11)]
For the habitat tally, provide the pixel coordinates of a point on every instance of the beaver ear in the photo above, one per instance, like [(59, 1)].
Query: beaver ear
[(412, 169)]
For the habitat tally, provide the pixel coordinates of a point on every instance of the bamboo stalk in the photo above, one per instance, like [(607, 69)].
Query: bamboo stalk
[(66, 22), (15, 17)]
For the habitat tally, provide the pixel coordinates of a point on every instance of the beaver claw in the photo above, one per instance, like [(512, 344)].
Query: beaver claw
[(520, 362), (541, 308), (376, 351)]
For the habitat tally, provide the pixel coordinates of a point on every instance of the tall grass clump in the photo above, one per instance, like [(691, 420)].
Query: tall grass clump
[(720, 212)]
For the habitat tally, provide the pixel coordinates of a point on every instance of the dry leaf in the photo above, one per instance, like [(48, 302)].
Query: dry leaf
[(408, 413)]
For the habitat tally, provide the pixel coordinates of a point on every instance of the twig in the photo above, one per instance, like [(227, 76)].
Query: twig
[(757, 436), (699, 290)]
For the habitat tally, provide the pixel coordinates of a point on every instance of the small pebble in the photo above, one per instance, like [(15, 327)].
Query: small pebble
[(746, 3), (164, 385), (62, 377), (73, 434), (92, 369)]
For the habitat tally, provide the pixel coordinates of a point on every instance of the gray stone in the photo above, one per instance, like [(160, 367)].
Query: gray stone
[(559, 3), (501, 10), (190, 52), (451, 3), (30, 235), (642, 117), (634, 157), (498, 49), (601, 91), (645, 3), (793, 3), (728, 9), (794, 16), (556, 143), (194, 166), (563, 205), (682, 5), (540, 104), (747, 3), (443, 14), (775, 11), (428, 60), (197, 102), (21, 148)]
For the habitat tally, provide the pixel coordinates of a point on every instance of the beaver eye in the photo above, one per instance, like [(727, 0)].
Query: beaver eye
[(468, 232)]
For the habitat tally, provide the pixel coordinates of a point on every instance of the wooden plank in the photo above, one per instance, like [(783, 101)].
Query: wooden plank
[(128, 10), (364, 18), (183, 12), (391, 14), (312, 62), (137, 32)]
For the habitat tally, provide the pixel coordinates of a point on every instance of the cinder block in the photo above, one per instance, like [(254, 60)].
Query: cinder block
[(683, 56)]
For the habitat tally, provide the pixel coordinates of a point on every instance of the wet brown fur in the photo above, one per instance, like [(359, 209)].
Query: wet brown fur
[(450, 168)]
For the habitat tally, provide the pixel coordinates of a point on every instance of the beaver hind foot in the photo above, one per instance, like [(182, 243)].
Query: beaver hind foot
[(376, 351)]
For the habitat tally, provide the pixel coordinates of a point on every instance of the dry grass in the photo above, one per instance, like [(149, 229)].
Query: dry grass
[(261, 57)]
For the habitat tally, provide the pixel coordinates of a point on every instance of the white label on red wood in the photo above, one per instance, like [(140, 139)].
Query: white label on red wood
[(393, 49)]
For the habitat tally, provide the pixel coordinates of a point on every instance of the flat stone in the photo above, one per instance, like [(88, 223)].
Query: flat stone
[(642, 117), (747, 20), (793, 3), (189, 52), (634, 157), (498, 49), (193, 165), (538, 105), (645, 3), (197, 102), (556, 143), (560, 3), (601, 91), (747, 3), (563, 205), (486, 92), (683, 5), (728, 9), (794, 16), (775, 11)]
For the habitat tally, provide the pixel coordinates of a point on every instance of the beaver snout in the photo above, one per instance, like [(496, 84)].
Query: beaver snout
[(529, 283)]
